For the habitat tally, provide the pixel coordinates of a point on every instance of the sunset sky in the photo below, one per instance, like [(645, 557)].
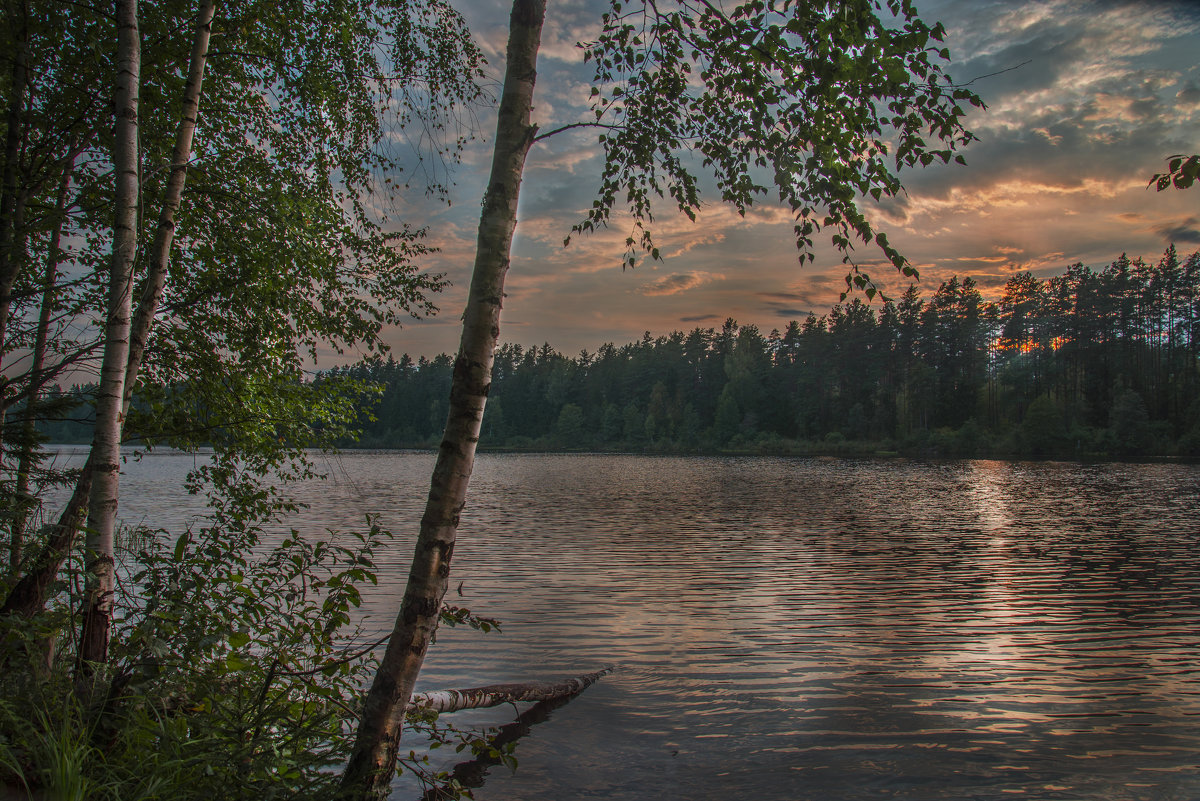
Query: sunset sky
[(1096, 95)]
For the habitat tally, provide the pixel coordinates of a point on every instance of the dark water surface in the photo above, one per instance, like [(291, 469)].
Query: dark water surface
[(810, 629)]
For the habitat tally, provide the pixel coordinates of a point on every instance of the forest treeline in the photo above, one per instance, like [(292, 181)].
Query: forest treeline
[(1089, 363)]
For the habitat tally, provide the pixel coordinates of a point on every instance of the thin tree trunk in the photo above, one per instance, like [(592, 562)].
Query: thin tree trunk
[(164, 236), (28, 596), (443, 701), (106, 439), (372, 761), (22, 501), (17, 256)]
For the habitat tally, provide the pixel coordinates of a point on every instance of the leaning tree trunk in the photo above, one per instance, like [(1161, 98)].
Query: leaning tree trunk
[(164, 236), (372, 762), (106, 439), (28, 596)]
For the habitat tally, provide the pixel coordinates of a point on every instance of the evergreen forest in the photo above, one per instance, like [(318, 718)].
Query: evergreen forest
[(1088, 363), (197, 198)]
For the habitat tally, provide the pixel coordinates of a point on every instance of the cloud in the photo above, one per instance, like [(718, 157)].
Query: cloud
[(675, 283), (800, 301), (1187, 230), (1189, 96), (566, 160), (983, 259), (1102, 96), (569, 23), (1059, 175), (988, 281)]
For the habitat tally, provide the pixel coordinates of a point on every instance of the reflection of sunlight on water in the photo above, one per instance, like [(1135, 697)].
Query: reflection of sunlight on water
[(987, 481), (795, 630), (1001, 572)]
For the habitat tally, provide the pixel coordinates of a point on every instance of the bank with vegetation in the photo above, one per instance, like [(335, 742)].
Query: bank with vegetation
[(1089, 363), (197, 198)]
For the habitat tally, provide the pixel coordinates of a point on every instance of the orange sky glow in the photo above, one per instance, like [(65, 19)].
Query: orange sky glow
[(1090, 99)]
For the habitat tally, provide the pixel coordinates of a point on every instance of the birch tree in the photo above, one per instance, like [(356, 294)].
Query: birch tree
[(805, 100), (370, 768), (130, 351), (283, 243), (106, 441)]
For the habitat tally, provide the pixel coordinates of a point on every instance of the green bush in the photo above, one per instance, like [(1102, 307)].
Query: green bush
[(1129, 424), (235, 673), (1043, 430)]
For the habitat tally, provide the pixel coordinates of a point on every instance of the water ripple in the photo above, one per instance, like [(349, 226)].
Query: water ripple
[(813, 629)]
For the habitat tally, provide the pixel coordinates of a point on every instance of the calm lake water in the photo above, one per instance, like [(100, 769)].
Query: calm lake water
[(806, 628)]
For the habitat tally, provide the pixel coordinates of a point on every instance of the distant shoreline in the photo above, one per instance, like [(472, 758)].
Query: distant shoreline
[(845, 450), (849, 453)]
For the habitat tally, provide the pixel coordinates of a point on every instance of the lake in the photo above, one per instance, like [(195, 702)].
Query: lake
[(806, 628)]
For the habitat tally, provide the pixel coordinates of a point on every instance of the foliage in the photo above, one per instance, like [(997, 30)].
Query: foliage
[(1043, 427), (229, 659), (57, 758), (286, 244), (236, 675), (1130, 423), (1181, 173), (233, 665), (1043, 370), (805, 99)]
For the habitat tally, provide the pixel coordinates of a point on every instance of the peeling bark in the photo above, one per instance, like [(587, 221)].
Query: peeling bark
[(372, 761), (442, 701)]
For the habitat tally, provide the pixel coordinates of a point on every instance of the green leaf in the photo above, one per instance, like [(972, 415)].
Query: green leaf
[(181, 546), (235, 663)]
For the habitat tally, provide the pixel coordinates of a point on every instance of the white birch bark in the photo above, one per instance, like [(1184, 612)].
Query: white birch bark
[(164, 236), (444, 701), (28, 596), (372, 761), (106, 439)]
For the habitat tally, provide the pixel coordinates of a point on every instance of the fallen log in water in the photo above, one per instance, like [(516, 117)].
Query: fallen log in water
[(496, 694)]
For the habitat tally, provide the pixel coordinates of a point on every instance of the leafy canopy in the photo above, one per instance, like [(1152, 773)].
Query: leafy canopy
[(808, 99)]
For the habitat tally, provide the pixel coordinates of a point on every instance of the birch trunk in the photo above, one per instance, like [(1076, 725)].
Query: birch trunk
[(372, 762), (442, 701), (164, 236), (28, 596), (106, 440)]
